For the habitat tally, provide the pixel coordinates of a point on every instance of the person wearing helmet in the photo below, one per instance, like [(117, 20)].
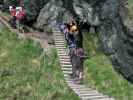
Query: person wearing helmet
[(75, 31), (70, 37), (77, 54)]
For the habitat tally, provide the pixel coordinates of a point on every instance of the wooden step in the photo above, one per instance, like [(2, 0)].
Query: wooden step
[(60, 45), (91, 94), (63, 55), (61, 48), (67, 76), (64, 59), (67, 72), (84, 92), (66, 69), (58, 39), (100, 99), (63, 52), (74, 86), (66, 66), (94, 97), (69, 81), (60, 42), (56, 32), (60, 36), (65, 63)]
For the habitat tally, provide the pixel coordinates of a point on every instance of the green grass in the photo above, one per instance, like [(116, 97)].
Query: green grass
[(130, 2), (6, 14), (130, 6), (26, 73), (99, 72)]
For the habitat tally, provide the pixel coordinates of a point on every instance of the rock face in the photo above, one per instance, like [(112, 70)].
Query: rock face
[(51, 13), (103, 15), (116, 38), (33, 8)]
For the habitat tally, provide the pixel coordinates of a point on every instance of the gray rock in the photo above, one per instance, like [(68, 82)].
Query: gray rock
[(86, 12), (51, 14)]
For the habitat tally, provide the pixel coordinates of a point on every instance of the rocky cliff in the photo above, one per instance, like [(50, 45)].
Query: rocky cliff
[(107, 17)]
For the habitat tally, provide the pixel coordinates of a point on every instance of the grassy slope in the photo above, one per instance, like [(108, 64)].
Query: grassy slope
[(26, 75), (130, 2), (100, 74), (130, 6)]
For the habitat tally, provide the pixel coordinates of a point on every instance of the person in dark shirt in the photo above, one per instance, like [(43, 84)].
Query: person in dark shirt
[(76, 53), (13, 18)]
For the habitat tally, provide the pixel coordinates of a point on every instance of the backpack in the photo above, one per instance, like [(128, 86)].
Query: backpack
[(20, 15)]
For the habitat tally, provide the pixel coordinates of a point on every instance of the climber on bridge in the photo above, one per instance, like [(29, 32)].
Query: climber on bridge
[(77, 56), (74, 34), (76, 53), (65, 28)]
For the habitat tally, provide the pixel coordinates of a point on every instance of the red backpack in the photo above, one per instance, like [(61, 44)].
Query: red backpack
[(20, 15)]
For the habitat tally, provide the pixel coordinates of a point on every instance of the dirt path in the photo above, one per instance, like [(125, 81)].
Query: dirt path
[(46, 41)]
